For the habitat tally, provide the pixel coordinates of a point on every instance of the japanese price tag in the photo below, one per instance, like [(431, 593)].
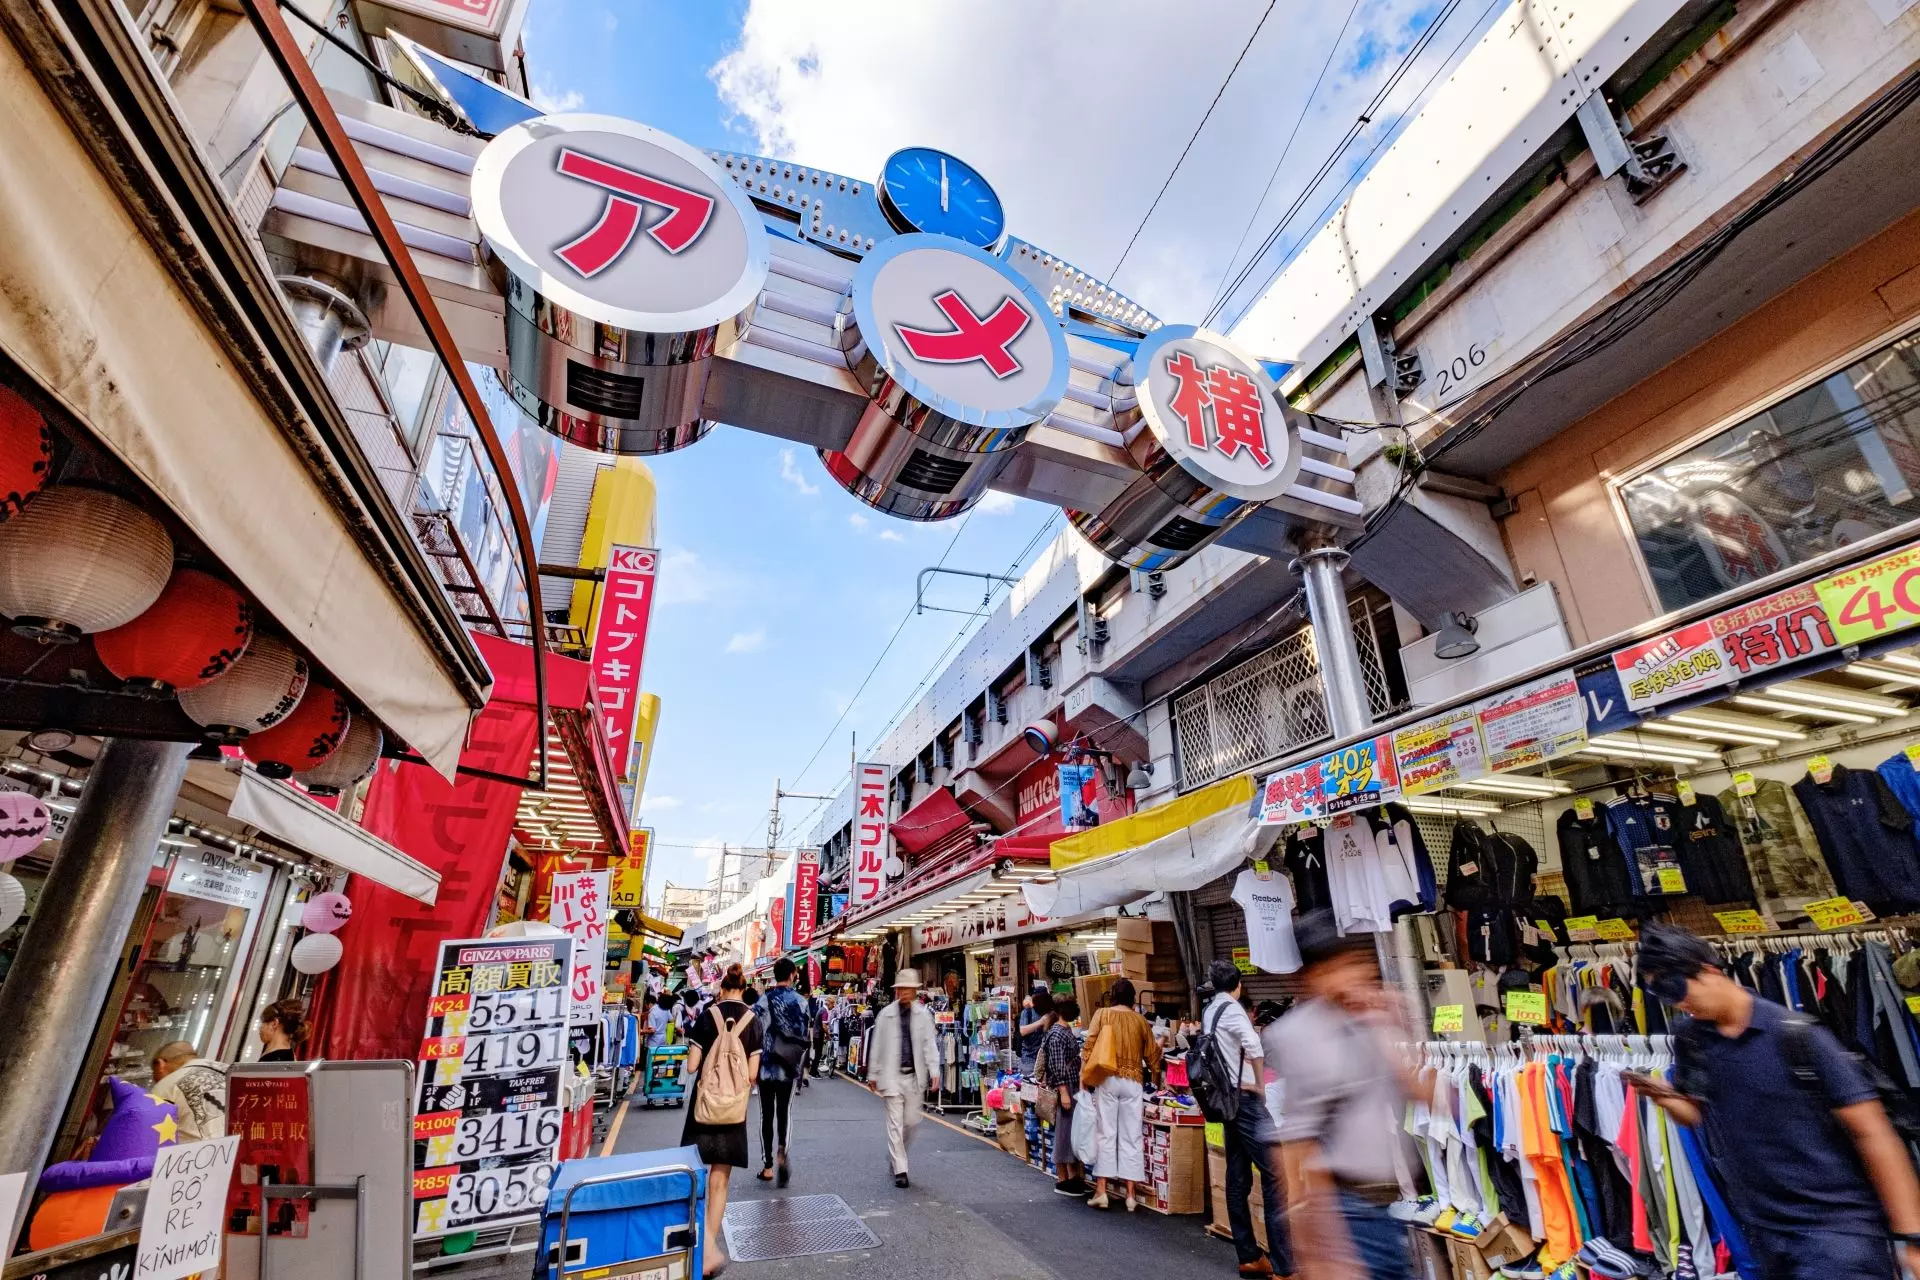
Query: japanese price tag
[(1449, 1017), (1614, 930), (1834, 913), (1527, 1006), (1741, 921)]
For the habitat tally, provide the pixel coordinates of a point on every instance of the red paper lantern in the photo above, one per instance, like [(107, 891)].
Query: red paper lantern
[(309, 734), (196, 630), (26, 452)]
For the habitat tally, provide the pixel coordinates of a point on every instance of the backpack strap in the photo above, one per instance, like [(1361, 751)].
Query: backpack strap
[(1796, 1042)]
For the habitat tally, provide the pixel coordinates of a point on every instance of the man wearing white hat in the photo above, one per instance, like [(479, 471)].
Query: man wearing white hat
[(904, 1060)]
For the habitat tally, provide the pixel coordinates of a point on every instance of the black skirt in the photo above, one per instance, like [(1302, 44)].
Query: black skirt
[(718, 1143)]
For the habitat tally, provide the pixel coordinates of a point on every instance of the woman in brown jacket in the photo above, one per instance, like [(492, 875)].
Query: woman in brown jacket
[(1121, 1056)]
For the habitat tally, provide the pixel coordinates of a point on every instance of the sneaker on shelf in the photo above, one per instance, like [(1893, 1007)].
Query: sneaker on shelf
[(1444, 1221), (1530, 1269), (1467, 1227), (1403, 1210), (1427, 1211)]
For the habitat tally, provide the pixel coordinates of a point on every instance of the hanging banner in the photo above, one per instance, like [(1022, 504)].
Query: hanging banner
[(486, 1127), (1440, 752), (1079, 796), (378, 992), (1772, 632), (619, 645), (629, 887), (806, 898), (1535, 722), (580, 907), (272, 1116), (1362, 774), (1605, 699), (1874, 599), (870, 823)]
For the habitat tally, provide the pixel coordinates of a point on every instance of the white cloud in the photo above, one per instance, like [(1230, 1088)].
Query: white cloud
[(997, 503), (684, 578), (655, 804), (888, 535), (857, 520), (747, 641), (550, 99), (1077, 173), (791, 473)]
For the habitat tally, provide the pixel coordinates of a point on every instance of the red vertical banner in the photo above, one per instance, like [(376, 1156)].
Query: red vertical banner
[(870, 823), (377, 995), (620, 645), (806, 898), (273, 1118)]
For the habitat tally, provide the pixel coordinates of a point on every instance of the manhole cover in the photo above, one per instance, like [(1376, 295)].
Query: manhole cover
[(763, 1230)]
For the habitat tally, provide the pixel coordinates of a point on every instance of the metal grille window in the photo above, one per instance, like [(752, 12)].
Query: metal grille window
[(1828, 465), (1268, 706)]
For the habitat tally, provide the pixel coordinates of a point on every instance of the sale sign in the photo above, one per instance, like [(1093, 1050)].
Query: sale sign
[(488, 1115), (180, 1232), (580, 906), (1754, 639), (871, 822), (619, 644), (1362, 774), (1875, 599), (806, 898)]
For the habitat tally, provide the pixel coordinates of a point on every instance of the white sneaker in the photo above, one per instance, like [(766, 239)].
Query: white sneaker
[(1098, 1202)]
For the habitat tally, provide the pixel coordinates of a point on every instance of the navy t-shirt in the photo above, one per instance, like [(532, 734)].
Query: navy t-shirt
[(1786, 1161), (1867, 837)]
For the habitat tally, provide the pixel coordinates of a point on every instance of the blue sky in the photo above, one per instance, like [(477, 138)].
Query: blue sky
[(778, 591)]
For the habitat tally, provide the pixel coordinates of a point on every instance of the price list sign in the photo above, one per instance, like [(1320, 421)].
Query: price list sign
[(486, 1129)]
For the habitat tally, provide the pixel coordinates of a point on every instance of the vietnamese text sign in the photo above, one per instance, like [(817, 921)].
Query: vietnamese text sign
[(1440, 752), (1534, 723), (870, 824), (272, 1116), (186, 1203), (1873, 600), (487, 1121), (806, 898), (580, 907), (619, 645), (1361, 774)]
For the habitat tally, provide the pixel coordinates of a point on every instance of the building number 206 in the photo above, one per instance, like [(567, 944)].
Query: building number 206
[(1453, 374)]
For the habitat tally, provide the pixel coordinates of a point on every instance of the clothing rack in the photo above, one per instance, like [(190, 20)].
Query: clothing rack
[(1533, 1047), (1893, 936)]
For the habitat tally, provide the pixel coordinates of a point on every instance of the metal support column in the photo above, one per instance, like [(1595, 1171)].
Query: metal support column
[(1348, 711), (67, 960)]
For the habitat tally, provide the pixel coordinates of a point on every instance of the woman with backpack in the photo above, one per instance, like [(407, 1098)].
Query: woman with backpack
[(724, 1061), (782, 1060)]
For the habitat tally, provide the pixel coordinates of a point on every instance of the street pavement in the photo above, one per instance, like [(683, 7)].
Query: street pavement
[(972, 1213)]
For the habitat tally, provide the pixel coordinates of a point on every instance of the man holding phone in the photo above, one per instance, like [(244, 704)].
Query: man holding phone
[(1815, 1173)]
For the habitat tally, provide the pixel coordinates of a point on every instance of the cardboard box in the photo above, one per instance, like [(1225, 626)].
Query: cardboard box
[(1467, 1262), (1133, 966), (1219, 1223), (1430, 1260), (1134, 930), (1012, 1134), (1091, 990)]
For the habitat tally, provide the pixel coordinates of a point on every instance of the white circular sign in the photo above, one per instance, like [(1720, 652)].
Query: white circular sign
[(1217, 412), (960, 331), (619, 222)]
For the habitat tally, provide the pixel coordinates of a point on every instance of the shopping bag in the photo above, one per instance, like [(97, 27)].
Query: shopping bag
[(1084, 1121)]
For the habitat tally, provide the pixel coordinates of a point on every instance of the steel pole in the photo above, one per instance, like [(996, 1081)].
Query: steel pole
[(329, 320), (1347, 706), (72, 947)]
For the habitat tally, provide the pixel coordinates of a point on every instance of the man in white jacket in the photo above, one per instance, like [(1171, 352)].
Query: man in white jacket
[(905, 1058)]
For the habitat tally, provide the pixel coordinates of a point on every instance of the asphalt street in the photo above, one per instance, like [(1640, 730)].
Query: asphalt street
[(972, 1212)]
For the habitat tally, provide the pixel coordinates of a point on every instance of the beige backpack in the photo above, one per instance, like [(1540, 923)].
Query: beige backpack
[(725, 1083)]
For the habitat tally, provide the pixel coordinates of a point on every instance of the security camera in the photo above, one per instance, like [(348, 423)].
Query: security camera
[(1042, 736)]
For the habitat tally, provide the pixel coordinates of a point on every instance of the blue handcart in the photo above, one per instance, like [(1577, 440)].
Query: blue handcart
[(637, 1216), (663, 1084)]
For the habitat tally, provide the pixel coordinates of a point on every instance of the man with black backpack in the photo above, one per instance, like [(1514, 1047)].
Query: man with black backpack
[(1815, 1172), (1227, 1073)]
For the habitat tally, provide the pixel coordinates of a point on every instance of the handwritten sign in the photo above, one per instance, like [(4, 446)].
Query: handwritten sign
[(1527, 1006), (1583, 809), (580, 907), (1614, 930), (1821, 769), (180, 1234), (1449, 1017), (1741, 921), (1873, 599), (1583, 928), (1743, 784), (1672, 880), (1834, 913)]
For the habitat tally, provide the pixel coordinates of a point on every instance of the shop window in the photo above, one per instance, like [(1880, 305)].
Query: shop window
[(1827, 466), (410, 374)]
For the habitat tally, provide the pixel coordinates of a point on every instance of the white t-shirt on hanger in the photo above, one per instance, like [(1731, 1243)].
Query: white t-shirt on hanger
[(1268, 905), (1355, 881)]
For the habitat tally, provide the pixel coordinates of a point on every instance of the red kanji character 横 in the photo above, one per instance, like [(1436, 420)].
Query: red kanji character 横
[(1239, 419)]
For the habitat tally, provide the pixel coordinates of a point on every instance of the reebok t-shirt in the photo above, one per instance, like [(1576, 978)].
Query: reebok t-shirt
[(1268, 905)]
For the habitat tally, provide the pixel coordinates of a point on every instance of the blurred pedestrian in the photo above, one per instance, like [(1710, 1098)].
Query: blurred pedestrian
[(1119, 1059), (903, 1062), (1346, 1087)]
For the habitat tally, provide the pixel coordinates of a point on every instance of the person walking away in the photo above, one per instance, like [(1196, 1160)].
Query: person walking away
[(1059, 1076), (724, 1061), (283, 1029), (781, 1061), (1252, 1141), (1346, 1087), (655, 1018), (902, 1064), (197, 1088), (1816, 1176), (1120, 1057), (1032, 1029)]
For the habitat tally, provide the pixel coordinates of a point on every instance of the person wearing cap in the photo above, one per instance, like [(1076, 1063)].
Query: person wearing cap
[(1345, 1086), (903, 1060)]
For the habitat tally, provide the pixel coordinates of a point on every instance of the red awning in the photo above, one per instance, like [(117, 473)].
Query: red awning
[(1027, 848), (934, 819)]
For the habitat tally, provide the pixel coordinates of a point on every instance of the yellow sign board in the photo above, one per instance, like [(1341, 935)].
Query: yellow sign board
[(1873, 600), (1583, 928), (629, 887), (1741, 921), (1672, 881), (1743, 784), (1834, 913), (1583, 809), (1527, 1006), (1614, 930), (1449, 1017)]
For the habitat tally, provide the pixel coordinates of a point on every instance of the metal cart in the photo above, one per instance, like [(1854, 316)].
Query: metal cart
[(638, 1215), (663, 1084)]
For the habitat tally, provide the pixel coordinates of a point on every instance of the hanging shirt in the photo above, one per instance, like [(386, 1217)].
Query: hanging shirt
[(1598, 880), (1867, 837), (1405, 863), (1268, 904), (1645, 830), (1354, 878), (1897, 772), (1710, 854), (1780, 846)]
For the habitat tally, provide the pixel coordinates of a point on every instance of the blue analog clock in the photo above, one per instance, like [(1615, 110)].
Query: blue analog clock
[(925, 190)]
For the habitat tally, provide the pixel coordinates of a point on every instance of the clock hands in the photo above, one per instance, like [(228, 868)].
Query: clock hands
[(943, 184)]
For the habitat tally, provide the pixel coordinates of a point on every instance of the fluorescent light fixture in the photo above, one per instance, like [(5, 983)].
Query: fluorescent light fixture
[(1822, 695), (1515, 786), (1712, 735), (1872, 671), (1451, 808), (1629, 753), (1716, 719), (1792, 709), (1906, 660), (1657, 747)]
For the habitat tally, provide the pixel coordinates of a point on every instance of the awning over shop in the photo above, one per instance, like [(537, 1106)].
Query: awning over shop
[(581, 810), (1178, 846), (293, 817), (661, 929), (936, 818)]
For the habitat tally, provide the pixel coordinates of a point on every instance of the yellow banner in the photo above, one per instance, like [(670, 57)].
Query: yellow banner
[(629, 887), (1155, 824), (1873, 600)]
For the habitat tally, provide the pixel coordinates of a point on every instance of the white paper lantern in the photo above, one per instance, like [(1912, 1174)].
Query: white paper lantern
[(258, 691), (77, 560), (13, 900), (316, 953), (351, 761)]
